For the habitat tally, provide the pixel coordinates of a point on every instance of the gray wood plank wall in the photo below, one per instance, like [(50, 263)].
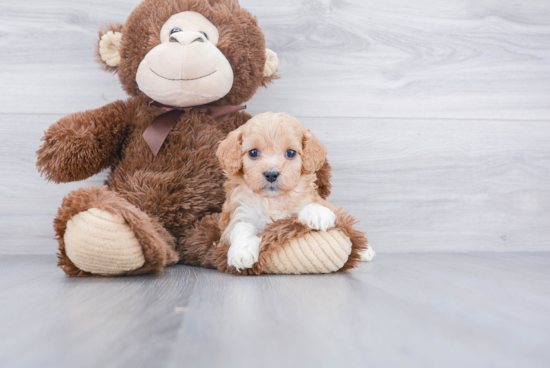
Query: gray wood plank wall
[(435, 114)]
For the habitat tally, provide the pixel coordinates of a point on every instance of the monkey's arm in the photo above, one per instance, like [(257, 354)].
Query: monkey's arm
[(82, 144)]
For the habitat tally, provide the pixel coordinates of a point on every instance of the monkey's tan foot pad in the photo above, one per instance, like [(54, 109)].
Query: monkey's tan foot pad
[(315, 252), (99, 242)]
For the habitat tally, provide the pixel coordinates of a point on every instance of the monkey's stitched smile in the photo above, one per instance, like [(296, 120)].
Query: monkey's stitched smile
[(179, 80)]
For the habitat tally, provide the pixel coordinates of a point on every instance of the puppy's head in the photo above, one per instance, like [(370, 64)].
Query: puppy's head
[(272, 152)]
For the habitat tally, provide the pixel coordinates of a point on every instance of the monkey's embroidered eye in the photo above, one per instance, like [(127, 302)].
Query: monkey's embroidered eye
[(254, 153), (290, 153), (204, 34), (175, 30)]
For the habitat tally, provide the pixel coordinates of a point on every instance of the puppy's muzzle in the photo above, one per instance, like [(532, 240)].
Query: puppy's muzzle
[(271, 176)]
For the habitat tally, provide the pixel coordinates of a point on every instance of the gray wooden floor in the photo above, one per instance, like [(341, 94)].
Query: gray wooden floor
[(404, 310), (436, 116)]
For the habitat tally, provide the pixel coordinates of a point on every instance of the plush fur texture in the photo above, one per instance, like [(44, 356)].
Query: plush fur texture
[(169, 199)]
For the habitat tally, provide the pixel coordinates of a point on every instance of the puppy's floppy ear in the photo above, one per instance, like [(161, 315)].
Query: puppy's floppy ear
[(230, 152), (314, 154), (108, 47)]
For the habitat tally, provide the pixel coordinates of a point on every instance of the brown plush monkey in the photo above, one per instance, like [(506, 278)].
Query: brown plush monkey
[(186, 65)]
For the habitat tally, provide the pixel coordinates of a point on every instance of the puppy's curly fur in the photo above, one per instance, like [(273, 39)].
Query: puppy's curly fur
[(270, 164)]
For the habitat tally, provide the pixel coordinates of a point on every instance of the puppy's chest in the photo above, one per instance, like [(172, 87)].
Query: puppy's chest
[(274, 209)]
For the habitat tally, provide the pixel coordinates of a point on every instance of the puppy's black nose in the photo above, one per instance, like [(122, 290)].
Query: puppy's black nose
[(271, 176)]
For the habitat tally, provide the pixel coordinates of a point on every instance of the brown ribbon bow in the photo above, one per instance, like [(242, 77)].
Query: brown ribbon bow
[(155, 135)]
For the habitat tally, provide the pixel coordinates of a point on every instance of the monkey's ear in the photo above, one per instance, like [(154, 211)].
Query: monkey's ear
[(108, 47), (230, 152), (271, 64)]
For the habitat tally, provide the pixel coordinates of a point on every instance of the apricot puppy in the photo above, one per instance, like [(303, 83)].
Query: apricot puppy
[(270, 164)]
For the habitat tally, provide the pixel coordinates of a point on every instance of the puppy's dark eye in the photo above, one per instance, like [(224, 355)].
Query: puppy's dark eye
[(175, 30), (290, 153), (254, 153), (204, 34)]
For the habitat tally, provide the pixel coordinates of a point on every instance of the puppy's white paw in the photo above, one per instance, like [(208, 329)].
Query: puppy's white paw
[(245, 247), (317, 217), (367, 255), (244, 253)]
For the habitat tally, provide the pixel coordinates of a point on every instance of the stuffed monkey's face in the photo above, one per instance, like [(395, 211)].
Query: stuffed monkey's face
[(186, 69)]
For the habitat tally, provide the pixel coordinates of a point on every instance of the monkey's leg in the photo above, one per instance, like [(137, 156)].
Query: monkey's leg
[(102, 234), (288, 246), (291, 247), (200, 247)]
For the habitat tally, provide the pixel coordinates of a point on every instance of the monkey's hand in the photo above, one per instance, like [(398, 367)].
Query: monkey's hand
[(82, 144)]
